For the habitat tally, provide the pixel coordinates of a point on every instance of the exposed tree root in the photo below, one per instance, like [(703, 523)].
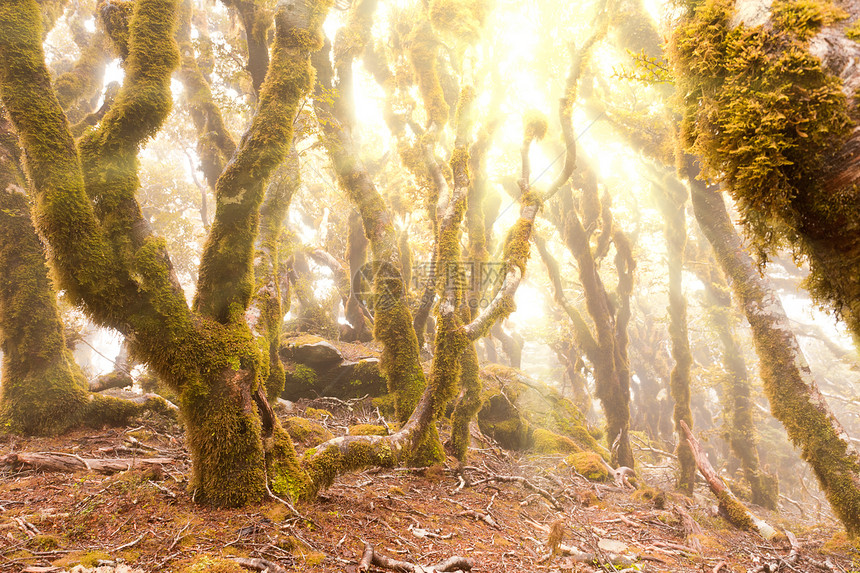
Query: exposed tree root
[(526, 483), (372, 558), (59, 462)]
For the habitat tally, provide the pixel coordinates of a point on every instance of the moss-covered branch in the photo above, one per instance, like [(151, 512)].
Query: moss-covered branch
[(226, 279), (266, 313), (82, 261)]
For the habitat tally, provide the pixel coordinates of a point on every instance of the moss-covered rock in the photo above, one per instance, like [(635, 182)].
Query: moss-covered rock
[(588, 464), (521, 413), (317, 367), (547, 442)]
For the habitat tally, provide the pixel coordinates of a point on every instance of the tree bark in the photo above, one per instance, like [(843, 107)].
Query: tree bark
[(788, 382), (672, 197)]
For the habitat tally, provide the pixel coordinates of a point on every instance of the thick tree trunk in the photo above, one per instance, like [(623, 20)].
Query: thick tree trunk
[(105, 257), (43, 390), (788, 382)]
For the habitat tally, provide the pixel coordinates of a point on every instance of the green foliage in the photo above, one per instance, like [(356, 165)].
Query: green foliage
[(646, 69)]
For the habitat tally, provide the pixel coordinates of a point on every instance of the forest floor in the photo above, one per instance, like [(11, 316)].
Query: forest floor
[(144, 520)]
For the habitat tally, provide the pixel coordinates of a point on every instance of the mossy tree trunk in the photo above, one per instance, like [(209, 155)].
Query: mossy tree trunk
[(788, 382), (393, 326), (605, 347), (43, 389), (671, 196), (742, 435), (107, 260), (773, 110)]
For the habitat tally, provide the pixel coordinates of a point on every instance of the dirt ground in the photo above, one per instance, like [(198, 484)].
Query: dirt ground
[(502, 521)]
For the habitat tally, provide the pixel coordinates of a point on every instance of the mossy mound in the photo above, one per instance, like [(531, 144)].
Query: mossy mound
[(306, 432), (209, 564), (367, 430), (521, 413), (588, 464), (546, 442)]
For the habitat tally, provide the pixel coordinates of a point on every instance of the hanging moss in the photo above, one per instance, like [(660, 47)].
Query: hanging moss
[(462, 20), (764, 114)]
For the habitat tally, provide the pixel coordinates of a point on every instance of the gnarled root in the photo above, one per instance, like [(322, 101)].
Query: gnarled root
[(371, 557)]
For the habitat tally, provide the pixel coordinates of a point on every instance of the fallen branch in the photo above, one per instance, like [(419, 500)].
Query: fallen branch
[(731, 507), (72, 463), (263, 565), (371, 557)]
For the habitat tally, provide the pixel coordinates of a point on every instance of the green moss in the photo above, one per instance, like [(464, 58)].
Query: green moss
[(367, 430), (588, 464), (546, 442), (734, 511), (305, 375), (306, 431), (211, 564), (285, 473), (44, 542), (761, 111), (805, 17), (92, 558), (853, 31), (318, 413), (43, 390)]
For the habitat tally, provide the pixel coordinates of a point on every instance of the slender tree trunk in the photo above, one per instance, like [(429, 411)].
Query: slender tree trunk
[(788, 382), (672, 198)]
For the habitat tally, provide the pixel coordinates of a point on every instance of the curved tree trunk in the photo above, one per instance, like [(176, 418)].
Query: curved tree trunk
[(788, 383), (106, 259)]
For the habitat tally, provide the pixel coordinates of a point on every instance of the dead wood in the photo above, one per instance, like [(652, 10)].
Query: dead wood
[(59, 462), (263, 565), (732, 508)]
